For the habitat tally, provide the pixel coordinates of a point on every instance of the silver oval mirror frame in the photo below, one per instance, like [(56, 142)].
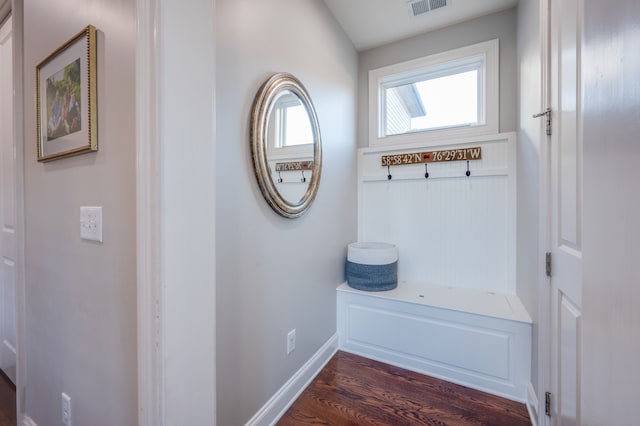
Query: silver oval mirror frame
[(262, 135)]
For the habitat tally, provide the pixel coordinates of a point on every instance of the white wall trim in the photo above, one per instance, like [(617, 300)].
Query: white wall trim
[(186, 193), (175, 288), (150, 382), (28, 421), (16, 9), (490, 121), (544, 227), (289, 392), (532, 404)]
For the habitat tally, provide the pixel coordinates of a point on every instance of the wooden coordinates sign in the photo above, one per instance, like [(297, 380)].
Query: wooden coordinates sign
[(294, 165), (463, 154)]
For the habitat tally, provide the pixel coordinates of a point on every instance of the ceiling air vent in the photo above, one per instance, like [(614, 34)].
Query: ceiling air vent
[(418, 7)]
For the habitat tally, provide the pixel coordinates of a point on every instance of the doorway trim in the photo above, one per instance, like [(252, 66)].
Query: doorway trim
[(175, 186), (148, 216), (14, 8), (544, 287)]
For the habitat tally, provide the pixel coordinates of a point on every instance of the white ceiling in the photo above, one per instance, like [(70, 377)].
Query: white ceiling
[(372, 23)]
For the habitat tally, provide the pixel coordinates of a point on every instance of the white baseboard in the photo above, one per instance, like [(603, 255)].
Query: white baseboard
[(532, 404), (27, 421), (287, 394)]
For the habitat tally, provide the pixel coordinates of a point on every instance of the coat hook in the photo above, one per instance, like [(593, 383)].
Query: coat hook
[(426, 172), (468, 173), (389, 171), (546, 113), (304, 179), (279, 177)]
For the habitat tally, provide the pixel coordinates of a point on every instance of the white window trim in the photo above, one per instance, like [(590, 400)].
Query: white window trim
[(299, 152), (405, 70)]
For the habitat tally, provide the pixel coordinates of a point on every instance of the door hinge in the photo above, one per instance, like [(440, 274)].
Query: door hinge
[(547, 403), (548, 263), (547, 114)]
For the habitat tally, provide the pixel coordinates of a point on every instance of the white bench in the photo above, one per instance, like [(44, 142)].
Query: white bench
[(474, 338)]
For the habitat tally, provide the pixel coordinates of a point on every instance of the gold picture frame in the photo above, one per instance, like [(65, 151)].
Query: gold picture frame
[(66, 95)]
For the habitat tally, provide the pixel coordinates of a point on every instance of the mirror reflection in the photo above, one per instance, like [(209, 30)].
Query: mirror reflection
[(290, 150), (290, 122), (286, 145)]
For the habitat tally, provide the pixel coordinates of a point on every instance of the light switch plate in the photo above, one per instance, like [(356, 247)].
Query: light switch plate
[(91, 223), (66, 409)]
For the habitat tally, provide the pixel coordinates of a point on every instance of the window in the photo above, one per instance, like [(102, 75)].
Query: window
[(450, 94), (290, 132), (292, 123)]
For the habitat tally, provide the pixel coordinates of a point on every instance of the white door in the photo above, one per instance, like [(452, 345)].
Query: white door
[(566, 211), (8, 247)]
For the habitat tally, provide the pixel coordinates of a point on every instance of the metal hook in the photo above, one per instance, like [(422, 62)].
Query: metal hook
[(279, 177), (426, 172), (389, 171), (304, 179), (546, 113), (468, 173)]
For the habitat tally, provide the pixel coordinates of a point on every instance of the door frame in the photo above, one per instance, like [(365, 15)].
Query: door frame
[(15, 9), (545, 294), (544, 226), (168, 277), (148, 216)]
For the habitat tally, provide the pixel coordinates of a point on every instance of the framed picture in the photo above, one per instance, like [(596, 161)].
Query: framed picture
[(66, 97)]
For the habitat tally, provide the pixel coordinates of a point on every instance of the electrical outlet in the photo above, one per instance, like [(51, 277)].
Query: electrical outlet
[(66, 409), (91, 223), (291, 341)]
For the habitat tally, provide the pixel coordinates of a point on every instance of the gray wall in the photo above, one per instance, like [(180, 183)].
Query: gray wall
[(80, 332), (276, 274), (530, 133), (500, 25)]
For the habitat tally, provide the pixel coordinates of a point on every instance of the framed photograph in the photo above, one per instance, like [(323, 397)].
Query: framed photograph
[(66, 97)]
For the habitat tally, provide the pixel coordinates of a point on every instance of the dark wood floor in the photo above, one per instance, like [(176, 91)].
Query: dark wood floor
[(7, 401), (352, 390)]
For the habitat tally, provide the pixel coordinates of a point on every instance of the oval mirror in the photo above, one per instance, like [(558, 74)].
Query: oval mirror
[(285, 145)]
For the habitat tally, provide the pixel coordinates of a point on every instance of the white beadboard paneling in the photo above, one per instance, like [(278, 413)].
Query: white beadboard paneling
[(451, 230)]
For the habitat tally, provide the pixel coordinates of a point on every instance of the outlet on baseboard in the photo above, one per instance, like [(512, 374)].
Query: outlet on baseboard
[(66, 409), (291, 341)]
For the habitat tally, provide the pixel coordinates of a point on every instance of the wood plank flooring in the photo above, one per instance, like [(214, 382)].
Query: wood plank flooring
[(7, 401), (352, 390)]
